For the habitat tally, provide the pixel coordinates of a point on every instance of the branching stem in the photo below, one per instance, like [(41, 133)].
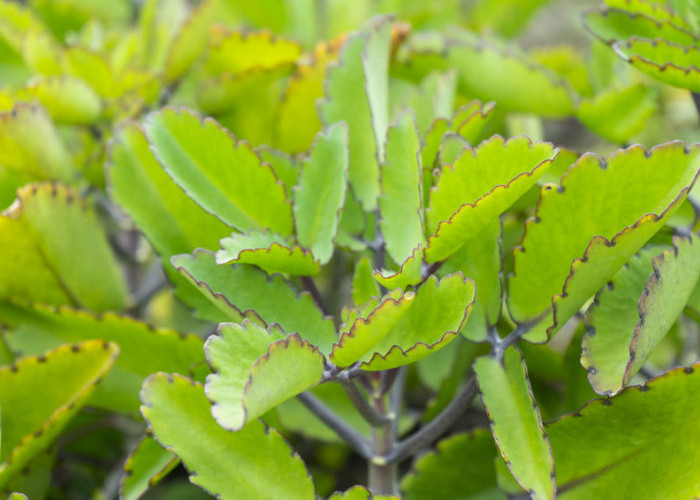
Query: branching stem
[(345, 431), (359, 401)]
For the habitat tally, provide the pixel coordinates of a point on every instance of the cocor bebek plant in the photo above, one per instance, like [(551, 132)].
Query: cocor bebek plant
[(371, 251)]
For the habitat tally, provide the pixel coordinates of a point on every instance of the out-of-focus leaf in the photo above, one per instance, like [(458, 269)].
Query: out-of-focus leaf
[(53, 250), (516, 423)]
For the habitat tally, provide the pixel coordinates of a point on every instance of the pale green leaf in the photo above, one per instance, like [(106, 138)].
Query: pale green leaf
[(225, 177), (251, 368), (144, 350), (400, 200), (39, 263), (239, 288), (30, 425), (226, 464), (584, 231), (410, 273), (356, 89), (320, 193), (516, 423), (405, 329)]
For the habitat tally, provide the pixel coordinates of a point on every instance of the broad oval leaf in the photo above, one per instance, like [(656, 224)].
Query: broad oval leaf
[(226, 464), (240, 289), (251, 365), (406, 328), (516, 423), (479, 186), (30, 425), (225, 177), (584, 231), (601, 449), (38, 263), (635, 312), (36, 328)]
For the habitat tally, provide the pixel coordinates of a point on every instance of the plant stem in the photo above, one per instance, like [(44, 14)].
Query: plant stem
[(345, 431), (310, 287), (696, 101), (435, 427), (368, 412), (382, 474)]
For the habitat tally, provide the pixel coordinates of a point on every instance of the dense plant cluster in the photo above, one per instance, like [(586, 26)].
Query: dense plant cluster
[(299, 249)]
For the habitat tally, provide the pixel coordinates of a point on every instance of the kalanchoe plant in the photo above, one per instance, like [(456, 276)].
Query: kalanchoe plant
[(399, 288)]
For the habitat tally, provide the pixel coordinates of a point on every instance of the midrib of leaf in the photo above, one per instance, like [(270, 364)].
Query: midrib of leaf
[(212, 185), (74, 302)]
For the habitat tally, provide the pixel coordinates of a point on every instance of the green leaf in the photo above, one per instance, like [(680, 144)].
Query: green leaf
[(584, 231), (633, 314), (611, 25), (268, 251), (602, 449), (356, 91), (478, 187), (409, 274), (251, 365), (659, 10), (666, 61), (460, 468), (30, 425), (516, 423), (92, 68), (320, 194), (406, 328), (364, 287), (239, 52), (144, 349), (190, 42), (38, 263), (400, 201), (35, 479), (67, 100), (239, 288), (432, 99), (481, 261), (226, 464), (30, 145), (502, 74), (226, 178), (147, 464), (172, 221), (619, 114), (505, 17), (299, 120), (359, 493)]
